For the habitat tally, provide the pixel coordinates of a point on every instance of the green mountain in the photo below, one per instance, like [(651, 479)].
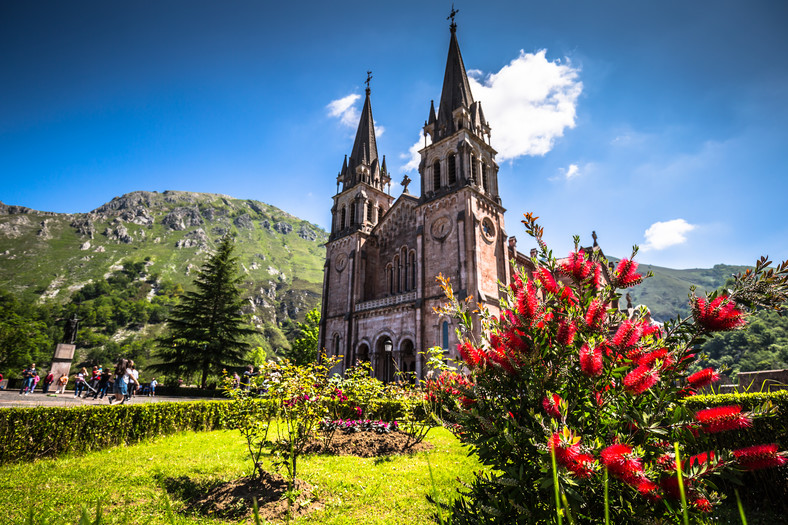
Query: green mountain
[(163, 237), (667, 292)]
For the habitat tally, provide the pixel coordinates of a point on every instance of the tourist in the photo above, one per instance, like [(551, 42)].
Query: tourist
[(48, 380), (101, 387), (36, 379), (80, 382), (133, 385), (27, 379), (123, 378), (2, 386), (61, 384), (152, 387)]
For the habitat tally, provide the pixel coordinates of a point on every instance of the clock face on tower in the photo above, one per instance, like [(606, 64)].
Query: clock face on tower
[(488, 229), (441, 228), (341, 262)]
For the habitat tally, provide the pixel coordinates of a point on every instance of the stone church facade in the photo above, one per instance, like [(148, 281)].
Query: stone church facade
[(384, 254)]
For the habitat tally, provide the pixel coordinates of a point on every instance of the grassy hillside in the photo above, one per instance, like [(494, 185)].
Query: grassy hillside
[(48, 257)]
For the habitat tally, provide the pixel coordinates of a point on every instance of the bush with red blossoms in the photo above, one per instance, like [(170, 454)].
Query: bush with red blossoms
[(560, 372)]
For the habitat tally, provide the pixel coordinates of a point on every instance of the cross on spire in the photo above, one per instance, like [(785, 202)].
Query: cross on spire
[(369, 77), (451, 16)]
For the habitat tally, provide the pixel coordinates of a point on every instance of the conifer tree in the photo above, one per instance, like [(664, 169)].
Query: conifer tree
[(207, 330)]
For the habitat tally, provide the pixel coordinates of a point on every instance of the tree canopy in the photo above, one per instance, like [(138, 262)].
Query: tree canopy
[(207, 330), (305, 346)]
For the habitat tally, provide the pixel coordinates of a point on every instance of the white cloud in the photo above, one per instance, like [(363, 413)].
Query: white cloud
[(661, 235), (529, 103), (412, 155), (571, 171), (345, 109)]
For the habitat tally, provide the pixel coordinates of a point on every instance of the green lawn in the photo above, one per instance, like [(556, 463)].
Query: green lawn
[(129, 481)]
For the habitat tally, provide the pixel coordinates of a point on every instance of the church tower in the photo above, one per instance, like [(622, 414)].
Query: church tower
[(383, 256)]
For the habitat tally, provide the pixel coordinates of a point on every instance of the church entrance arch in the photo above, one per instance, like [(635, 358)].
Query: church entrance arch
[(362, 354), (386, 365), (407, 360)]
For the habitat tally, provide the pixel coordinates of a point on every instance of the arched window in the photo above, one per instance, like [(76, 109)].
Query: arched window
[(398, 276), (353, 214), (436, 175), (452, 169), (343, 224), (370, 212), (445, 335), (413, 270), (407, 270), (485, 179), (474, 171), (380, 212)]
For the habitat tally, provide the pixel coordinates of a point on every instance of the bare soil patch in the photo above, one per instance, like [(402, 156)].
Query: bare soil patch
[(366, 445)]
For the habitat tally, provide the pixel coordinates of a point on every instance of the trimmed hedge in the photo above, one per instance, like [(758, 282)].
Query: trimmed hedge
[(765, 489), (32, 433)]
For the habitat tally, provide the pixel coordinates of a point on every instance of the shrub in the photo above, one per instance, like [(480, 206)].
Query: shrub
[(567, 397), (33, 433)]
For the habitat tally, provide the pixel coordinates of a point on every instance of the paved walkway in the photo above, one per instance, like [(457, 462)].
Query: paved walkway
[(11, 398)]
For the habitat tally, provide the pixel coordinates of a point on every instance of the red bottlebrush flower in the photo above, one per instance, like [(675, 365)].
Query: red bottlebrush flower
[(671, 486), (591, 360), (599, 399), (703, 378), (640, 379), (667, 462), (718, 315), (627, 335), (759, 456), (650, 329), (503, 358), (645, 486), (527, 304), (551, 406), (661, 354), (596, 278), (576, 266), (568, 295), (566, 332), (473, 357), (547, 280), (703, 505), (565, 453), (625, 275), (596, 315), (720, 419), (583, 466), (621, 463), (706, 458)]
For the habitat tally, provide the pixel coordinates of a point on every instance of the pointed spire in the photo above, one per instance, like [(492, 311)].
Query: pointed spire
[(383, 167), (344, 167), (432, 117), (365, 149), (456, 89)]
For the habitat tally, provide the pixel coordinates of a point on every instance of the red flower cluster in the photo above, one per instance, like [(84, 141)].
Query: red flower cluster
[(720, 419), (703, 378), (591, 360), (627, 335), (624, 465), (640, 379), (551, 406), (527, 305), (569, 456), (650, 358), (449, 385), (547, 280), (577, 266), (625, 275), (566, 332), (760, 456), (596, 314), (717, 315)]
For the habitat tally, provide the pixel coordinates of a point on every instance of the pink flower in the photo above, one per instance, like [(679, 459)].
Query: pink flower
[(720, 419), (718, 315), (591, 361), (625, 275), (640, 379), (551, 406), (759, 456), (703, 378)]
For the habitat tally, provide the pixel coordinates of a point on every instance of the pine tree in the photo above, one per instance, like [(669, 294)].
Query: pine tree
[(207, 330)]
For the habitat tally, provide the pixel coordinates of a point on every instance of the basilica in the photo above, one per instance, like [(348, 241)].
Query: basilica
[(383, 255)]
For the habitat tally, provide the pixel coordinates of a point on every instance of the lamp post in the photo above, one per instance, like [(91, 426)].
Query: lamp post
[(388, 356)]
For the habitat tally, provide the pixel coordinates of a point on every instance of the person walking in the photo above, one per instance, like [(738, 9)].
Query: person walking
[(101, 388), (27, 379), (36, 379), (152, 387), (48, 380), (80, 382), (61, 384), (123, 377)]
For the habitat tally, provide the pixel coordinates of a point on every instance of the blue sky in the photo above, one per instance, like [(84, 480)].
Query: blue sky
[(662, 124)]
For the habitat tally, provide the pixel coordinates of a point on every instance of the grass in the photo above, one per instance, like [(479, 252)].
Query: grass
[(128, 481)]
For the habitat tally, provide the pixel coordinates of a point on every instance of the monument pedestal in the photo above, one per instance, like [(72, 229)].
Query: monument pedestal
[(61, 361)]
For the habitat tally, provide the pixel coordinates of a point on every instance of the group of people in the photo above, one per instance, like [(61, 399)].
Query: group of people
[(119, 384)]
